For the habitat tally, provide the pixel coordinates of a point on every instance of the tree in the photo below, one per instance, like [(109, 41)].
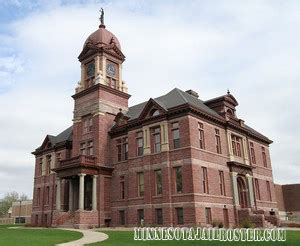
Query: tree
[(7, 201)]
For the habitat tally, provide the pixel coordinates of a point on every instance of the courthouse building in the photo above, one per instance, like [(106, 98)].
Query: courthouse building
[(171, 160)]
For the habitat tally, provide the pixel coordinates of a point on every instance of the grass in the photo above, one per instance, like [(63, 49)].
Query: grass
[(125, 238), (35, 237)]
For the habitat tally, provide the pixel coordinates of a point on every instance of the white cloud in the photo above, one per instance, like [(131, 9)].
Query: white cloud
[(248, 46)]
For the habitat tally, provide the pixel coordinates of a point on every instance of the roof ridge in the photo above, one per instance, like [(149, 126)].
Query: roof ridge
[(180, 93)]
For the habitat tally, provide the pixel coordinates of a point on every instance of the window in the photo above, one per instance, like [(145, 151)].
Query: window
[(204, 180), (47, 195), (140, 184), (87, 124), (83, 148), (155, 112), (139, 144), (38, 196), (122, 217), (179, 213), (176, 138), (252, 153), (222, 183), (218, 141), (178, 177), (90, 69), (236, 145), (86, 148), (48, 164), (119, 150), (125, 149), (156, 135), (159, 216), (257, 191), (158, 182), (208, 215), (201, 136), (90, 150), (122, 189), (140, 215), (269, 190), (41, 166), (122, 149), (263, 151)]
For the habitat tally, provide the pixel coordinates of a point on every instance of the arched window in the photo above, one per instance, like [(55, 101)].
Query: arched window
[(154, 112), (229, 111)]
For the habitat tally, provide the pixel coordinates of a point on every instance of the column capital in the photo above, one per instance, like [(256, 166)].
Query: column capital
[(248, 176), (57, 179), (95, 176), (81, 174), (234, 173)]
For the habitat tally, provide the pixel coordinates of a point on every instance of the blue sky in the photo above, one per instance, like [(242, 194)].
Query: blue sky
[(251, 47)]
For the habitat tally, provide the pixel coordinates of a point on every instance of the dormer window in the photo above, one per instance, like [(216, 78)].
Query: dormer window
[(155, 112), (229, 111)]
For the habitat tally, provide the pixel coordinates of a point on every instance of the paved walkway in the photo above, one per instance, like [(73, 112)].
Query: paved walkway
[(89, 236)]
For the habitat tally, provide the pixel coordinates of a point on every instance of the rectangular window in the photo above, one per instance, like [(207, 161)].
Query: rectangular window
[(125, 149), (140, 215), (222, 183), (263, 151), (119, 150), (90, 149), (156, 135), (139, 144), (208, 215), (87, 124), (201, 136), (159, 216), (48, 164), (269, 190), (218, 141), (140, 184), (41, 166), (83, 148), (178, 177), (122, 217), (257, 191), (158, 182), (204, 180), (122, 189), (38, 196), (47, 195), (252, 153), (236, 145), (176, 137), (179, 213)]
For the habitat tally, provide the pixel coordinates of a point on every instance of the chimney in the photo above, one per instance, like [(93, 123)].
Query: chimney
[(192, 93)]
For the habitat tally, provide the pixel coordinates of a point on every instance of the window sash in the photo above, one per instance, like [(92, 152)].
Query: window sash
[(159, 216), (141, 184), (178, 176), (179, 212), (158, 181)]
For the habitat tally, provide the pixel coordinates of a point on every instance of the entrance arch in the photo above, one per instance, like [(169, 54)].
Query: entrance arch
[(243, 192)]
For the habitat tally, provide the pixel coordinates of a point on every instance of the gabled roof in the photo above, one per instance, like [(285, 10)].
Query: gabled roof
[(65, 135), (174, 98)]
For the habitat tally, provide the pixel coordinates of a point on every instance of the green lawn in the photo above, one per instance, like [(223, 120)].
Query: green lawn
[(125, 238), (35, 237)]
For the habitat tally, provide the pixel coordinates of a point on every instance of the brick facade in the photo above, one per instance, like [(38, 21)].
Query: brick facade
[(104, 180)]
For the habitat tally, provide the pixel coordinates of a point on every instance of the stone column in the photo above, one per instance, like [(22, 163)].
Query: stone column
[(235, 192), (58, 182), (164, 136), (94, 198), (81, 191), (120, 78), (97, 65), (104, 67), (250, 189), (71, 195), (146, 136), (82, 74)]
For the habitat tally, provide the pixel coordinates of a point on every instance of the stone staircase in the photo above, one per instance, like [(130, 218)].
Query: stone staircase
[(258, 218)]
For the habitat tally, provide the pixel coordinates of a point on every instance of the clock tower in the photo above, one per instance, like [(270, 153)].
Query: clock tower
[(100, 95)]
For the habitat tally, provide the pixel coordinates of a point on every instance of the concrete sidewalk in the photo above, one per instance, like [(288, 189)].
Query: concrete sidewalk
[(89, 236)]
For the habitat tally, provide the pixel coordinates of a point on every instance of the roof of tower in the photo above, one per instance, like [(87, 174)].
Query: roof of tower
[(102, 37)]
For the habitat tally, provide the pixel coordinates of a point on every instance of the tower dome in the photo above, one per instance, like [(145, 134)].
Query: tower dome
[(102, 37)]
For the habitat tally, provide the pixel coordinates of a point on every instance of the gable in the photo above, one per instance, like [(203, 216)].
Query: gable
[(151, 109)]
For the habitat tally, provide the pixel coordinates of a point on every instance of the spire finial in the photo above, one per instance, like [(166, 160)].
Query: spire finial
[(228, 92), (101, 18)]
